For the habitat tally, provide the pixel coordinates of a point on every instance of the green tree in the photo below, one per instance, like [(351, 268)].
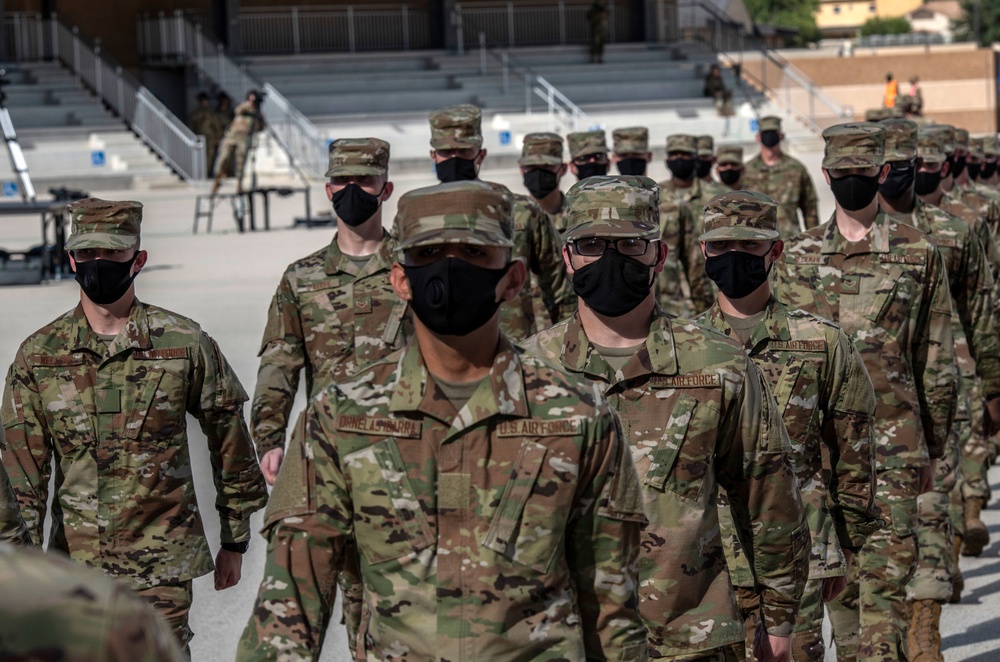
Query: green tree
[(989, 21), (877, 25), (796, 14)]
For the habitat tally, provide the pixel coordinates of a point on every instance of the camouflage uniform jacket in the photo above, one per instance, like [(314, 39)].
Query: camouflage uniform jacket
[(537, 244), (889, 293), (971, 284), (12, 528), (329, 318), (246, 121), (507, 530), (559, 218), (698, 415), (683, 288), (206, 122), (114, 416), (982, 199), (827, 403), (54, 609), (789, 183)]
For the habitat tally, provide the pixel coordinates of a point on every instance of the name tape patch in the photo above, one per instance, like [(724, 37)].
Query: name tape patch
[(798, 345), (377, 425), (687, 381), (534, 428)]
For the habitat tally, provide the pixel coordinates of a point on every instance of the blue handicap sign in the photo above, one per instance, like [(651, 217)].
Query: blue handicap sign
[(9, 189), (97, 158), (753, 125), (329, 141), (505, 137)]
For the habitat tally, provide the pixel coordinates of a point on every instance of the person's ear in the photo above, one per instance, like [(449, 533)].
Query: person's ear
[(387, 191), (140, 261), (884, 172), (826, 175), (400, 283), (777, 251), (329, 191), (517, 274)]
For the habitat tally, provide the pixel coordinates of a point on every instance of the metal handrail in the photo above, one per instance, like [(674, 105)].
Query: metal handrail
[(293, 131), (156, 126)]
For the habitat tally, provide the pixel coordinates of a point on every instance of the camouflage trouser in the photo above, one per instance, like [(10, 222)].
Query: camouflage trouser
[(935, 531), (235, 148), (173, 602), (807, 635), (976, 453), (870, 618)]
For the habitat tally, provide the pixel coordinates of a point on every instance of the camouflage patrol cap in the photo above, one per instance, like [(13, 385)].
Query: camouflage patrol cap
[(358, 156), (100, 223), (631, 140), (457, 127), (613, 206), (991, 145), (930, 145), (900, 139), (854, 145), (730, 154), (947, 133), (976, 148), (741, 215), (706, 145), (541, 149), (769, 123), (877, 114), (961, 138), (585, 143), (465, 212), (682, 142)]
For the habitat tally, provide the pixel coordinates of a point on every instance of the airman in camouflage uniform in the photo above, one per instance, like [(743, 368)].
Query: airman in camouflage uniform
[(12, 527), (784, 178), (542, 168), (237, 140), (588, 153), (827, 403), (703, 168), (104, 390), (206, 122), (491, 495), (54, 609), (457, 150), (682, 288), (630, 150), (971, 285), (885, 285), (729, 167), (698, 417)]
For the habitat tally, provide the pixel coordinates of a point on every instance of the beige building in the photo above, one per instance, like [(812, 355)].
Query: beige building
[(842, 18)]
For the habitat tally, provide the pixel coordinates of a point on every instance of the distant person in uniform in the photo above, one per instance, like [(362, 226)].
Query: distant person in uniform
[(205, 121), (891, 91), (631, 154), (716, 88), (238, 139), (917, 93), (729, 166), (597, 15)]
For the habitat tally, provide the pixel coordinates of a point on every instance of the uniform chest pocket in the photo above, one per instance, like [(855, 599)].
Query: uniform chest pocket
[(680, 462), (881, 293), (529, 524), (327, 303), (66, 389), (389, 521), (155, 399), (797, 393)]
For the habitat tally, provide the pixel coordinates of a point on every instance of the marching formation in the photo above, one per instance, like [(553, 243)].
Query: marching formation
[(683, 421)]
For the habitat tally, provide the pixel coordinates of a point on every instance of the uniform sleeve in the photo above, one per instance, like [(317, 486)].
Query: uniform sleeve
[(216, 400), (28, 454), (547, 263), (282, 357), (808, 200), (975, 308), (934, 368), (847, 434), (306, 547), (764, 500), (702, 289), (12, 527), (135, 632), (603, 546)]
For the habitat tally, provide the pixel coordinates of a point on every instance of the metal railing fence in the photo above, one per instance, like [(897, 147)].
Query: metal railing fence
[(178, 37), (505, 24), (760, 66), (36, 38)]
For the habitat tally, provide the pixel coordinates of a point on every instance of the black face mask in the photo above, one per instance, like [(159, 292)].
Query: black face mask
[(898, 183), (453, 297), (540, 182), (103, 281), (681, 168), (854, 192), (957, 166), (632, 166), (591, 170), (730, 177), (354, 205), (974, 170), (703, 168), (769, 138), (614, 284), (736, 273), (989, 169), (457, 169), (927, 182)]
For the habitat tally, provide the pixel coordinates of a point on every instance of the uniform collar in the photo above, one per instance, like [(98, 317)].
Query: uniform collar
[(876, 241), (135, 334), (502, 392), (338, 262), (773, 326), (656, 355)]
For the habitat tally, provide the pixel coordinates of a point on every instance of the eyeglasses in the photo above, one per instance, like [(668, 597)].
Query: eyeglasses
[(595, 246), (590, 158)]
